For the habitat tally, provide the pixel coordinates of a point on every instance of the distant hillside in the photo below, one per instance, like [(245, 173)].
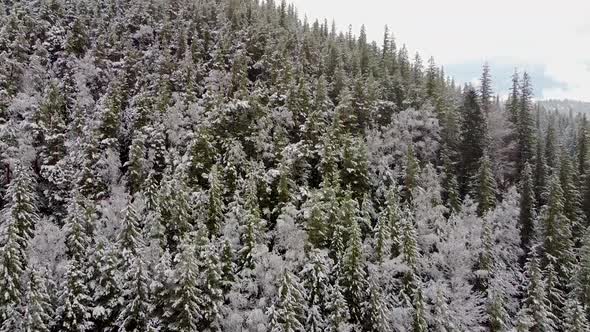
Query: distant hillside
[(566, 105)]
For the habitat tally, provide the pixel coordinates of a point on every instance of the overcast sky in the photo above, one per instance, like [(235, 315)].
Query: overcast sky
[(551, 39)]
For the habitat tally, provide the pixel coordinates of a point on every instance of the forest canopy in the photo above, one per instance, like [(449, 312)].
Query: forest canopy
[(225, 165)]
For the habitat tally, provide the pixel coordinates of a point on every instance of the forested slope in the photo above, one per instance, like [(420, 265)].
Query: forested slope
[(223, 165)]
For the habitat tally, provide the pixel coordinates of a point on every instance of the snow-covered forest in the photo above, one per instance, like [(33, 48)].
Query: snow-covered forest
[(225, 165)]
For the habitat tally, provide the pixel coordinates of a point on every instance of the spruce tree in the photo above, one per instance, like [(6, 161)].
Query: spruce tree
[(75, 311), (135, 298), (485, 187), (184, 313), (377, 311), (290, 306), (473, 137), (215, 204), (527, 209), (535, 301), (39, 308), (353, 278)]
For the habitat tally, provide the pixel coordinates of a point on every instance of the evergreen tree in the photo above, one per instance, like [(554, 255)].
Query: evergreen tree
[(527, 209), (215, 206), (135, 293), (290, 306), (485, 187), (575, 317), (184, 313), (419, 323), (353, 275), (535, 301), (136, 164), (411, 176), (38, 306), (486, 92), (557, 243), (75, 311), (473, 137), (377, 311), (525, 123)]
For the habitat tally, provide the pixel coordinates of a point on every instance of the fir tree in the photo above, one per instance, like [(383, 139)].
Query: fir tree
[(527, 209), (215, 206), (377, 311), (353, 275), (473, 138), (485, 187), (75, 312), (39, 308), (135, 293), (184, 313)]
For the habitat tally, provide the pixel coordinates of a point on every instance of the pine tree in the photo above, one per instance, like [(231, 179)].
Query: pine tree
[(20, 210), (473, 138), (290, 308), (253, 225), (411, 174), (419, 323), (486, 92), (555, 296), (557, 243), (527, 209), (104, 284), (582, 279), (377, 311), (535, 300), (485, 187), (575, 319), (11, 269), (136, 164), (316, 225), (339, 315), (353, 275), (525, 123), (184, 313), (227, 267), (74, 313), (39, 308), (393, 214), (130, 239), (215, 206), (78, 224), (541, 175), (135, 298), (382, 244)]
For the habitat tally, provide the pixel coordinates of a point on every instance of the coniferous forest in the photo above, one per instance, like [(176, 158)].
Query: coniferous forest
[(225, 165)]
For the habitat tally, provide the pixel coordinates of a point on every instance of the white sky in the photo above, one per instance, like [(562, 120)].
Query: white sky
[(548, 34)]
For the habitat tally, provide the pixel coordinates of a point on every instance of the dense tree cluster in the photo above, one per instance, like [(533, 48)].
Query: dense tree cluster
[(223, 165)]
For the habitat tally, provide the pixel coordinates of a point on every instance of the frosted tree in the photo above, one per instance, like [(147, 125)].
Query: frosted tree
[(136, 303), (377, 311), (75, 312), (556, 233), (290, 305), (485, 189), (353, 277), (215, 204), (535, 302), (575, 319), (39, 308), (184, 312), (419, 323), (137, 164), (104, 284), (20, 210), (527, 208)]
